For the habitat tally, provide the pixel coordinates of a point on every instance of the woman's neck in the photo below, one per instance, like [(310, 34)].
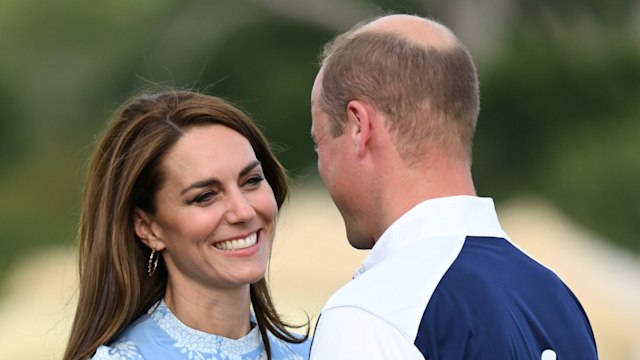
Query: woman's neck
[(223, 312)]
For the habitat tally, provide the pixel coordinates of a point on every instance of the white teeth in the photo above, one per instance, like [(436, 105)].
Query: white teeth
[(238, 243)]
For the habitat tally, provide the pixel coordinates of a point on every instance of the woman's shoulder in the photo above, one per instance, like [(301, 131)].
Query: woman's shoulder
[(119, 350), (129, 345), (283, 350)]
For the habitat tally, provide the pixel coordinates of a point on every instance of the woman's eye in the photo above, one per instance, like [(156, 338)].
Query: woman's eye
[(202, 198), (255, 180)]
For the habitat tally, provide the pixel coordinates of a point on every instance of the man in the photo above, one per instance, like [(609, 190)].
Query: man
[(394, 109)]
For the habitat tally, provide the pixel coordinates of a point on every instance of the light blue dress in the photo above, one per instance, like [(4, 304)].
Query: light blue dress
[(160, 335)]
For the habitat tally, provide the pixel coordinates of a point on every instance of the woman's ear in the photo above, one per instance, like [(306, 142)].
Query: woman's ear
[(146, 230)]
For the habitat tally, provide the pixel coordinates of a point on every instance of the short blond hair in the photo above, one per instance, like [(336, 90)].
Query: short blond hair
[(428, 94)]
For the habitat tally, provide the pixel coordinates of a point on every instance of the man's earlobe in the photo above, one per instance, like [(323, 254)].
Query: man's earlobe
[(359, 115)]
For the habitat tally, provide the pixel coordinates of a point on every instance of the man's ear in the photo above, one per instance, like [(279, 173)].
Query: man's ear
[(146, 230), (359, 126)]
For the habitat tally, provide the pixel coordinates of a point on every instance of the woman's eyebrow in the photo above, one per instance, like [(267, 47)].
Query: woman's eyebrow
[(215, 182)]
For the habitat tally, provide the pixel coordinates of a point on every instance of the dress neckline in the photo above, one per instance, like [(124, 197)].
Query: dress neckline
[(201, 341)]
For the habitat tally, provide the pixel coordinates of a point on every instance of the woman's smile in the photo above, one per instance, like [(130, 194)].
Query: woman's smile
[(237, 244)]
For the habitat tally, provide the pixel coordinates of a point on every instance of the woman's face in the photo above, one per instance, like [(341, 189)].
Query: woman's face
[(216, 213)]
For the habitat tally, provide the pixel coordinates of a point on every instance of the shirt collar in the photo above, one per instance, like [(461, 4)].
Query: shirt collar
[(455, 215)]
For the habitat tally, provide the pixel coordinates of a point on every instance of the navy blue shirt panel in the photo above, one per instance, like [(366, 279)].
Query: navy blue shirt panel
[(495, 302)]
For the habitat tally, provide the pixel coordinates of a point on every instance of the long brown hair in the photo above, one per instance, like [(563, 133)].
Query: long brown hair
[(124, 173)]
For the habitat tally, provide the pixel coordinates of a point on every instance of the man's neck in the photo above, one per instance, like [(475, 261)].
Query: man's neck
[(408, 187)]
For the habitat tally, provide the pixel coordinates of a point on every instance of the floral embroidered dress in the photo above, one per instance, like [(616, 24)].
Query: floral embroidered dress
[(160, 335)]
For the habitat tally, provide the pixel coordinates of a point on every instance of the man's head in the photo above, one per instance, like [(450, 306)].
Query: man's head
[(413, 70), (400, 86)]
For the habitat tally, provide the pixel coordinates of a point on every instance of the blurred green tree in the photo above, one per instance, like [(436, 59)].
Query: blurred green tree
[(561, 112)]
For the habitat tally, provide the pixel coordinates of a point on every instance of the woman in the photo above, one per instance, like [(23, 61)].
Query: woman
[(175, 235)]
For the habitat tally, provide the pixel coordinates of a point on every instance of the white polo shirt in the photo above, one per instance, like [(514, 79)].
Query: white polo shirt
[(444, 282)]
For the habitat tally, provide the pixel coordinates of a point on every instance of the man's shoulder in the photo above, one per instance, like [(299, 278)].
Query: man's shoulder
[(398, 289), (352, 333)]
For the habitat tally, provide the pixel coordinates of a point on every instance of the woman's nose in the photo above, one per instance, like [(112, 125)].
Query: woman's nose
[(239, 208)]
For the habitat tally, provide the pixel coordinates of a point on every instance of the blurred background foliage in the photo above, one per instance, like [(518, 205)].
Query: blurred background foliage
[(560, 84)]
